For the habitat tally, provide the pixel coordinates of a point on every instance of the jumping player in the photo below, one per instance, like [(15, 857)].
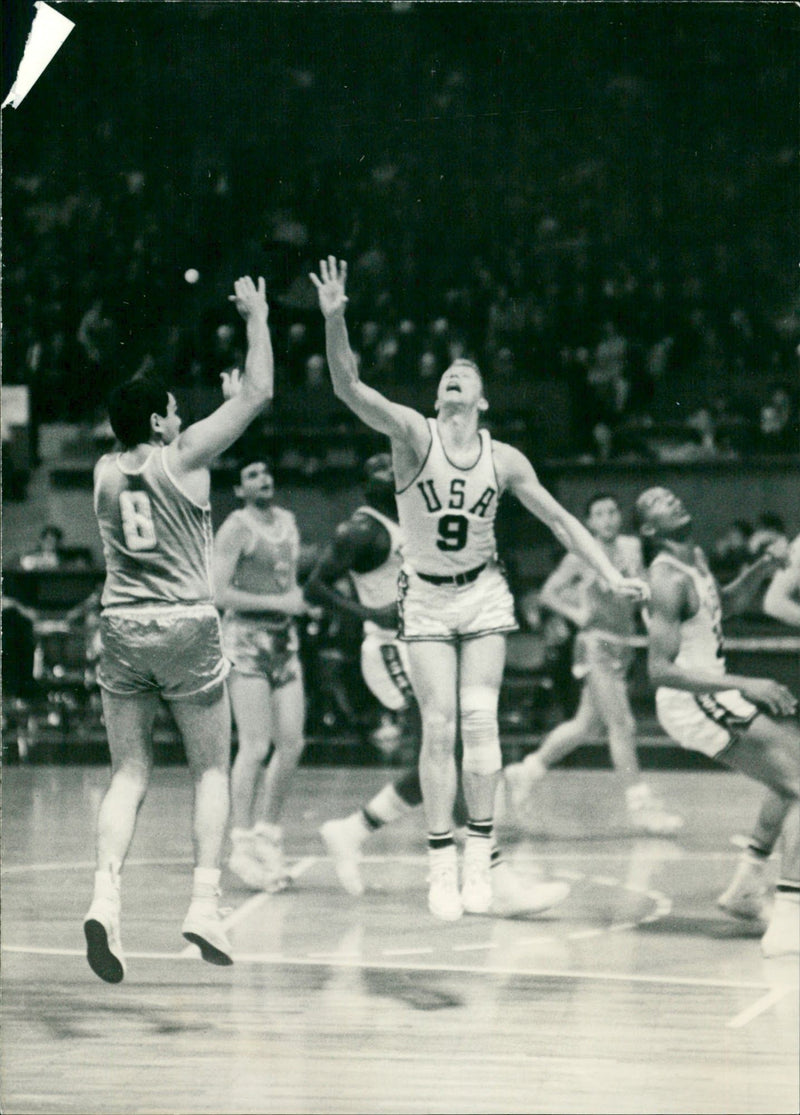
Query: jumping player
[(455, 604), (160, 629), (255, 580), (367, 549), (602, 658), (739, 721)]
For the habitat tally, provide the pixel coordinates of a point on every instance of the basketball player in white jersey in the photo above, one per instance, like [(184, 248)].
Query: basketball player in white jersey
[(745, 723), (159, 627), (602, 658), (256, 552), (367, 549), (455, 605)]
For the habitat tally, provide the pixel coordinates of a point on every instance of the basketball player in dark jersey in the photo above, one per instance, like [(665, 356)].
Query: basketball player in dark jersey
[(455, 602), (159, 627)]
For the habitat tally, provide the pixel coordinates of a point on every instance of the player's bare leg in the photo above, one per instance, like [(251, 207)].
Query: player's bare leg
[(519, 779), (205, 725), (129, 725), (433, 668), (251, 697), (646, 812), (769, 752), (274, 782)]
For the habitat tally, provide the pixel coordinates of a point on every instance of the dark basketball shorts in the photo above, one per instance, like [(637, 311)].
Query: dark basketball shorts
[(256, 648), (174, 650)]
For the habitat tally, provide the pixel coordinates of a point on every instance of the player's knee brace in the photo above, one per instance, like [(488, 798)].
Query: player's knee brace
[(479, 731)]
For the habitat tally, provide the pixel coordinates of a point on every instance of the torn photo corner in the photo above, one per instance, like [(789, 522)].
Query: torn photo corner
[(48, 33)]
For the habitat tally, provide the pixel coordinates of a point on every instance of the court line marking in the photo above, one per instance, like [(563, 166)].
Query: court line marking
[(417, 857), (340, 961), (758, 1007)]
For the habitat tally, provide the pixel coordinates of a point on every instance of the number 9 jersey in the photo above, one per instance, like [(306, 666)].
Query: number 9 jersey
[(157, 542), (447, 513)]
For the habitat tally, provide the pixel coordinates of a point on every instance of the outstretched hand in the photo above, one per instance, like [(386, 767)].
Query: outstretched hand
[(634, 588), (250, 300), (330, 285)]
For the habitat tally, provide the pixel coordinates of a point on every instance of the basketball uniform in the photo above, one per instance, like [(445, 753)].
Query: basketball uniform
[(384, 659), (452, 586), (159, 628), (705, 722), (605, 642), (264, 644)]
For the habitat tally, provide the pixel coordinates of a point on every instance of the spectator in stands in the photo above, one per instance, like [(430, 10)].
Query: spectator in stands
[(730, 553), (48, 552), (769, 534), (782, 598)]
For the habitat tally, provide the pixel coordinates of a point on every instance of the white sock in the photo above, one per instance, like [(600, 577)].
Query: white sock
[(387, 805), (205, 882), (107, 884)]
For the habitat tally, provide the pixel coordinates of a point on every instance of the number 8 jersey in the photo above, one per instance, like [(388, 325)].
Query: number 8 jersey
[(447, 513), (157, 542)]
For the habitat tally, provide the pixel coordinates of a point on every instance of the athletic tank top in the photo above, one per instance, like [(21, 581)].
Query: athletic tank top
[(608, 611), (701, 636), (447, 513), (268, 562), (156, 540), (378, 587)]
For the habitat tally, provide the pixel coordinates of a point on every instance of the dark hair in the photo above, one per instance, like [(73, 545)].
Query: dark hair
[(130, 406), (244, 460), (598, 497), (770, 521)]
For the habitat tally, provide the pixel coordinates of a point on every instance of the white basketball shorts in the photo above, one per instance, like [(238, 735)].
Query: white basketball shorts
[(384, 666), (705, 722), (447, 613)]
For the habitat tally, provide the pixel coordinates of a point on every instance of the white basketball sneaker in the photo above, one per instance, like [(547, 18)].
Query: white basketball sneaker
[(746, 894), (513, 898), (268, 849), (444, 899), (476, 889), (103, 943), (343, 839), (244, 863), (648, 814), (203, 926), (782, 937)]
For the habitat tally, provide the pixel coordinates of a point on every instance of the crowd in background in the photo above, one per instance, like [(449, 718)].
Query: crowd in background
[(616, 233)]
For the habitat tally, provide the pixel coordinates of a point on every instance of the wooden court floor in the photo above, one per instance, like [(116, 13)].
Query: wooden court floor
[(636, 995)]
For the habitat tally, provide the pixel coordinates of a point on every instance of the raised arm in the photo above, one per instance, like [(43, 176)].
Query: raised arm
[(562, 591), (782, 598), (742, 592), (400, 423), (230, 542), (519, 477), (247, 395), (668, 607), (355, 543)]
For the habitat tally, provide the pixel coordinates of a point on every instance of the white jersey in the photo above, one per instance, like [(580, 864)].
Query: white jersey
[(378, 587), (447, 513), (701, 636)]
